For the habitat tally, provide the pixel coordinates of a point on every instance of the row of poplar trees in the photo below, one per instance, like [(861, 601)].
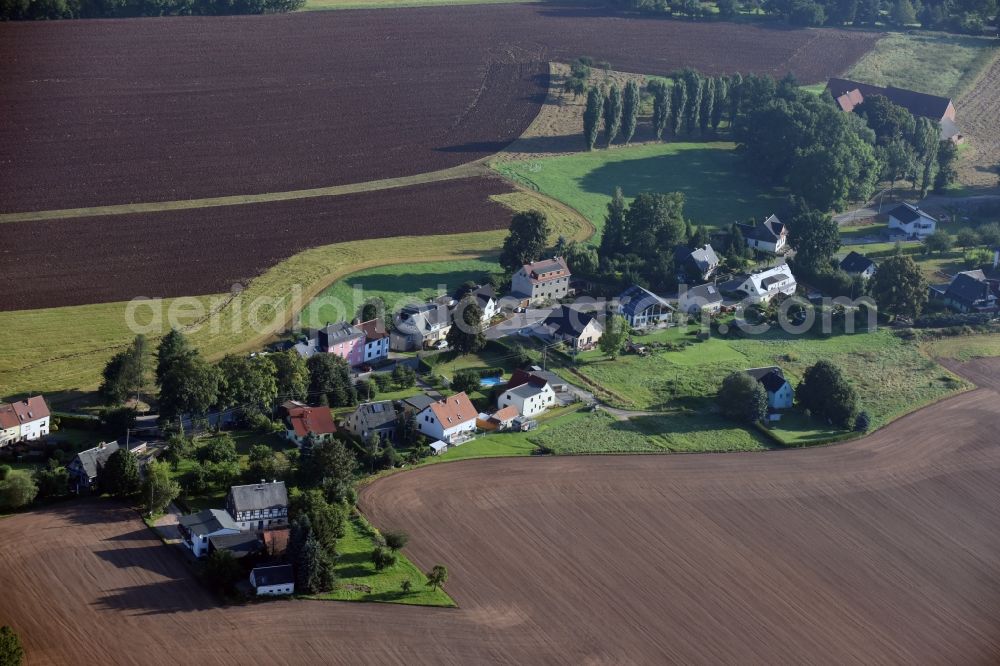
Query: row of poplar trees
[(688, 103)]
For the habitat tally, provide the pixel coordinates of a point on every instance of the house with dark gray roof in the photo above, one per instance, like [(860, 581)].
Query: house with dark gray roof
[(273, 580), (643, 309), (419, 326), (850, 94), (912, 221), (700, 263), (540, 281), (771, 235), (858, 264), (780, 394), (85, 467), (238, 545), (416, 403), (701, 298), (968, 291), (580, 330), (373, 418), (198, 528), (258, 505)]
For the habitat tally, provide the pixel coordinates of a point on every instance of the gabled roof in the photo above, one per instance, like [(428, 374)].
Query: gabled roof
[(93, 459), (568, 322), (240, 545), (855, 263), (525, 391), (546, 269), (307, 421), (484, 294), (768, 231), (706, 293), (636, 300), (520, 377), (704, 258), (917, 103), (454, 410), (8, 417), (907, 213), (373, 329), (208, 521), (772, 378), (32, 409), (419, 402), (424, 317), (969, 287), (376, 415), (280, 574), (508, 413), (257, 496), (340, 332)]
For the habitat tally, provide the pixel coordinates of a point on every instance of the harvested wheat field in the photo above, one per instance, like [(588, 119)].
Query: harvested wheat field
[(882, 550)]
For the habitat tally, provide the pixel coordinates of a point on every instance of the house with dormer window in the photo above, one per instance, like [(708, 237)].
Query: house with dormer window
[(451, 420)]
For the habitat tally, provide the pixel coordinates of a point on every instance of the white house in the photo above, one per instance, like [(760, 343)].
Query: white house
[(24, 420), (580, 330), (762, 287), (420, 326), (376, 341), (642, 308), (539, 281), (451, 420), (274, 580), (529, 394), (198, 528), (780, 393), (702, 261), (912, 221), (703, 298), (486, 297), (858, 264), (257, 506), (771, 235)]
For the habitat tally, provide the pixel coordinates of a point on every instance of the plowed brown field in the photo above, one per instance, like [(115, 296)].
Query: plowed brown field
[(883, 550), (208, 250), (105, 112)]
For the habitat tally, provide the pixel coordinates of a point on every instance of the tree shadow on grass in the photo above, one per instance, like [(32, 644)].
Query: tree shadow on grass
[(716, 186)]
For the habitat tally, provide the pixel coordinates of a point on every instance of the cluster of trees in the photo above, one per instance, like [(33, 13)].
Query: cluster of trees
[(616, 109), (689, 103), (965, 16), (640, 239), (11, 652), (23, 10), (802, 141), (824, 392)]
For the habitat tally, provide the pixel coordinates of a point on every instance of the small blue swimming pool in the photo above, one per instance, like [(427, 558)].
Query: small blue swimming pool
[(489, 382)]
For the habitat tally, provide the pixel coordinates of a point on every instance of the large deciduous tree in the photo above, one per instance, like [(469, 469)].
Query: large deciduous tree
[(158, 488), (119, 476), (616, 332), (898, 286), (126, 372), (466, 333), (742, 398), (291, 375), (330, 378), (815, 237), (826, 393), (248, 382), (526, 240)]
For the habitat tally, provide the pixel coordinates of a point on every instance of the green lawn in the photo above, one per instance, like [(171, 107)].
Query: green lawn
[(965, 347), (891, 375), (357, 579), (600, 432), (396, 285), (797, 429), (939, 64), (717, 189)]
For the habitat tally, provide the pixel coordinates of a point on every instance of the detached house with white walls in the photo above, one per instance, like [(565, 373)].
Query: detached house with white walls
[(257, 506), (451, 420), (24, 420), (540, 281), (762, 287), (912, 221), (198, 528), (528, 393)]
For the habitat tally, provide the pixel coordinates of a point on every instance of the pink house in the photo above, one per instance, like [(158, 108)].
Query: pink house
[(344, 340)]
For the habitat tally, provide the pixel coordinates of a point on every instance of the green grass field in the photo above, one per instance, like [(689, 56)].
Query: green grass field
[(357, 579), (965, 347), (891, 375), (396, 285), (717, 189), (600, 432), (934, 63)]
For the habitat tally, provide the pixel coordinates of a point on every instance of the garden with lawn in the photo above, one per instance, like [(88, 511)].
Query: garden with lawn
[(702, 171)]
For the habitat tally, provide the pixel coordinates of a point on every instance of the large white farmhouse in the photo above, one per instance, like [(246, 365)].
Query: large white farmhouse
[(451, 420)]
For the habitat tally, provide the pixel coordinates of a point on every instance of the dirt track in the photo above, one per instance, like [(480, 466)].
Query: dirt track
[(882, 550)]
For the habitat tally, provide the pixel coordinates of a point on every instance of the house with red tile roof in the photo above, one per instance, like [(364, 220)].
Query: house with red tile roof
[(304, 423), (24, 420), (451, 420)]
